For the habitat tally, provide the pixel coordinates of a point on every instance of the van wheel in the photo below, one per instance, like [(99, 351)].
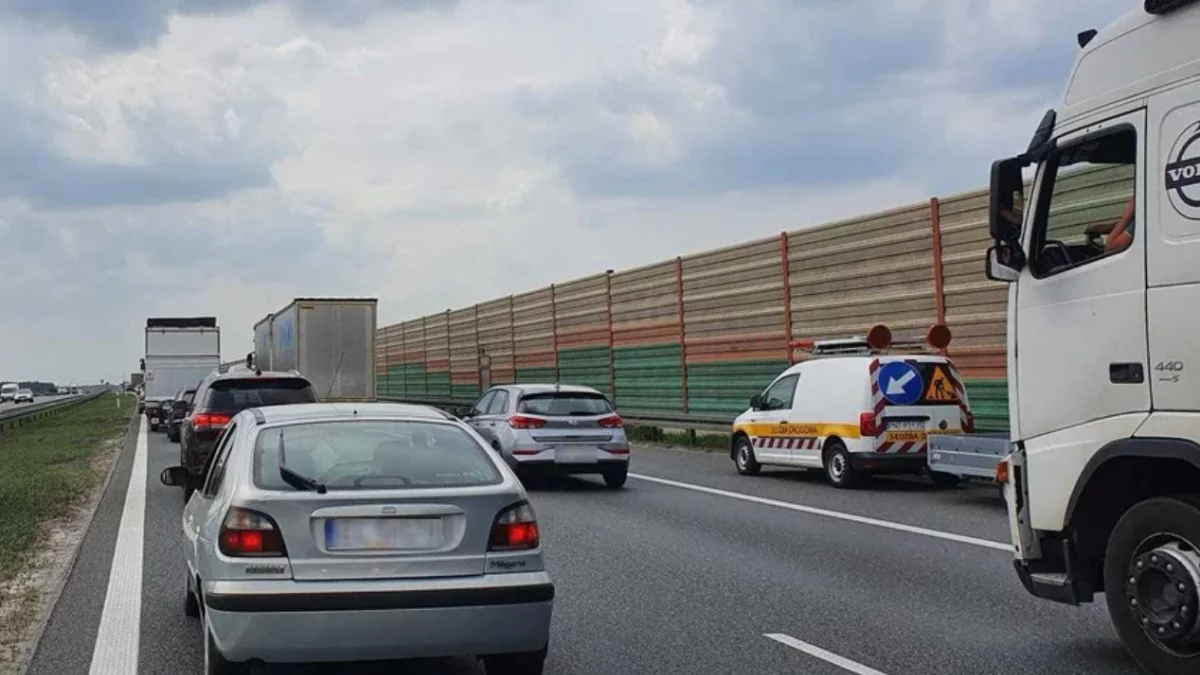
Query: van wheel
[(1151, 586), (743, 457), (838, 468)]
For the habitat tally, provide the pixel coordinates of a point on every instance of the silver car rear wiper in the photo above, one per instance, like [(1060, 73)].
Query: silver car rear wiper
[(296, 480)]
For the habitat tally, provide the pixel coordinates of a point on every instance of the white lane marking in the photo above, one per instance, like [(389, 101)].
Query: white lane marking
[(116, 650), (828, 657), (900, 527)]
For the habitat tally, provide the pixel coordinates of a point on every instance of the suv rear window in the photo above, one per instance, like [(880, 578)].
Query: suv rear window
[(564, 404), (233, 396), (373, 455)]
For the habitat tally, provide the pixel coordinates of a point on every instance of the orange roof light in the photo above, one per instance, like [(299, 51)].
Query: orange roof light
[(938, 336), (802, 344), (879, 337)]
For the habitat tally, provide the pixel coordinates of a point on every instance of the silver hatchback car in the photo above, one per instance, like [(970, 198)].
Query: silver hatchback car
[(565, 429), (351, 532)]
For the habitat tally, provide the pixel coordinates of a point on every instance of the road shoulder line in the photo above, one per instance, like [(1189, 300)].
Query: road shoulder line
[(116, 649), (812, 510)]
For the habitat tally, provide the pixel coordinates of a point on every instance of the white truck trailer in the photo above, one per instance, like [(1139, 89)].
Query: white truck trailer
[(179, 353), (330, 341), (1101, 251)]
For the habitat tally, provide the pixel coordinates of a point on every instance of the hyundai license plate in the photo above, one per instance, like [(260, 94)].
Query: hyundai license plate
[(382, 534)]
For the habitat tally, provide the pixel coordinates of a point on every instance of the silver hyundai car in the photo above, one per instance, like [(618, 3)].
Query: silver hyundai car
[(565, 429), (351, 532)]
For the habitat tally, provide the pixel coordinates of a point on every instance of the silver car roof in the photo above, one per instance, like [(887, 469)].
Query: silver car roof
[(547, 388), (303, 412)]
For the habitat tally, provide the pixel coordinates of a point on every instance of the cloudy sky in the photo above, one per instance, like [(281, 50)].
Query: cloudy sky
[(181, 157)]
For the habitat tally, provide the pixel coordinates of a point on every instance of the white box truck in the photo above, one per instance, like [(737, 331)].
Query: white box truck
[(179, 353), (330, 341), (1100, 247)]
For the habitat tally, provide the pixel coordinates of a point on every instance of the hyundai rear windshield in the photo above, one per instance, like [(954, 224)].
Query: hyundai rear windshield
[(232, 396), (372, 455), (564, 404)]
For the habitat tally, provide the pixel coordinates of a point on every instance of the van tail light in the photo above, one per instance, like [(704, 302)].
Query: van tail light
[(205, 421), (522, 422), (611, 422), (250, 534), (866, 424), (968, 423), (515, 529)]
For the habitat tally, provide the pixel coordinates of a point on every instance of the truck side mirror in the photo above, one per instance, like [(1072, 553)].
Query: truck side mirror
[(1004, 215), (1005, 262)]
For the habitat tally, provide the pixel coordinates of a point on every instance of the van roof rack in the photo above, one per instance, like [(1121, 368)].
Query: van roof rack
[(877, 340)]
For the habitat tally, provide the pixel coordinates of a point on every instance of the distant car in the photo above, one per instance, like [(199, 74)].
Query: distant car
[(8, 391), (220, 396), (550, 428), (179, 410), (23, 396), (349, 532)]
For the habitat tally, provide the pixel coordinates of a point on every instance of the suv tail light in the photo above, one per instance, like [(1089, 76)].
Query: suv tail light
[(866, 424), (522, 422), (968, 422), (611, 422), (515, 529), (250, 534), (210, 421)]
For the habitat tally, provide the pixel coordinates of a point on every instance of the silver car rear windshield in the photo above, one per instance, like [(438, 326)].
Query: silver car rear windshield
[(372, 455), (564, 404)]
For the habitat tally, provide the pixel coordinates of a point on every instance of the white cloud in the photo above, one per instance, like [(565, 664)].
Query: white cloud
[(436, 158)]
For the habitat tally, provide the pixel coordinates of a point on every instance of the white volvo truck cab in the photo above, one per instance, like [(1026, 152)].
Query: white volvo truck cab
[(1102, 252)]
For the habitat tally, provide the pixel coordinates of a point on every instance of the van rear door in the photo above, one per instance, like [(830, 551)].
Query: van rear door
[(916, 398)]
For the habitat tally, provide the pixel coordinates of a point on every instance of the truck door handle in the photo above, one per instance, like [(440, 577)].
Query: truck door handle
[(1126, 373)]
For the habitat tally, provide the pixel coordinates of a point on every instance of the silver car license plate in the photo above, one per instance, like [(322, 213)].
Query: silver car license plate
[(382, 534), (567, 454)]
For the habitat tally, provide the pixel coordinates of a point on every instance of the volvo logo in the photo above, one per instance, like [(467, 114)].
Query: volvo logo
[(1183, 173)]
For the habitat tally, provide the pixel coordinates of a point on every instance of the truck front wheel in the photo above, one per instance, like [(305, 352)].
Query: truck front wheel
[(1152, 583)]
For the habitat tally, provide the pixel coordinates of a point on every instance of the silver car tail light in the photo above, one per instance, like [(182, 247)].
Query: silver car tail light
[(515, 529), (250, 534)]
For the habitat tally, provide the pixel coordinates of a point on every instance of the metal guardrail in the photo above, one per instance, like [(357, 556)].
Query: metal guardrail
[(19, 415)]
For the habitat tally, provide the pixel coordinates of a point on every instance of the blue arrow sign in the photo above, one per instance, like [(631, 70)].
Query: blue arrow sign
[(900, 383)]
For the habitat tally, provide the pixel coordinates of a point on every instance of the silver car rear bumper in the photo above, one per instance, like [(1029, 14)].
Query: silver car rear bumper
[(305, 622)]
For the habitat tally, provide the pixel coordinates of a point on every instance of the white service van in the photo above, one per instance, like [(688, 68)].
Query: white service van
[(1103, 481), (854, 409)]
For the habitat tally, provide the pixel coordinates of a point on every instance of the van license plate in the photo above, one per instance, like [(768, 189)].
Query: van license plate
[(904, 436), (904, 425), (382, 534)]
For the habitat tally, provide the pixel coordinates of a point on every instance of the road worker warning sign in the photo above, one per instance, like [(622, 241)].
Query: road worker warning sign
[(940, 386)]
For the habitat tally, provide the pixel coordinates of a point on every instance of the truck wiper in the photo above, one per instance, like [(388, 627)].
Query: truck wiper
[(296, 480)]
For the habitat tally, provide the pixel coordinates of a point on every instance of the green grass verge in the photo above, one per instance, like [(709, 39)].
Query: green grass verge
[(704, 440), (48, 467)]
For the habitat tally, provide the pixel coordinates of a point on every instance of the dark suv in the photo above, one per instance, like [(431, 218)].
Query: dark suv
[(220, 396), (177, 411)]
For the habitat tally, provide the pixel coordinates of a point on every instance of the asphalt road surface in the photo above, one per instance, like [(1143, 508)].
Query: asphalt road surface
[(9, 405), (709, 572)]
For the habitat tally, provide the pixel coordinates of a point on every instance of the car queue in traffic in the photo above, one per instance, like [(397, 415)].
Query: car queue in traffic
[(346, 531)]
